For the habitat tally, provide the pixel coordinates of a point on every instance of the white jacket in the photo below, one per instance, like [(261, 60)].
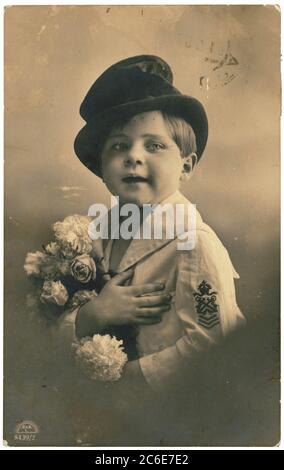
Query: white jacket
[(204, 307)]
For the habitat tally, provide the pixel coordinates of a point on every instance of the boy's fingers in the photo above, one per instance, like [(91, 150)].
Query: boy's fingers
[(150, 312), (154, 300), (143, 289), (148, 320), (121, 278)]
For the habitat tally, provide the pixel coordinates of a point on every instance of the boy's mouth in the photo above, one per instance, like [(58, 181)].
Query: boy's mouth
[(134, 179)]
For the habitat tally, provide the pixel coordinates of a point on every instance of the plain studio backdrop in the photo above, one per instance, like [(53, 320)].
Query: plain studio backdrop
[(228, 57)]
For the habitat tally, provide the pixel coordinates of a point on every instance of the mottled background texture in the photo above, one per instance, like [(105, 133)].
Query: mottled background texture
[(229, 58)]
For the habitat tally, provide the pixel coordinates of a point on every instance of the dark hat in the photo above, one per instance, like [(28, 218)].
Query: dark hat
[(129, 87)]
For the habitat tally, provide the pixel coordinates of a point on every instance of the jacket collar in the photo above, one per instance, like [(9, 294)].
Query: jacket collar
[(140, 248)]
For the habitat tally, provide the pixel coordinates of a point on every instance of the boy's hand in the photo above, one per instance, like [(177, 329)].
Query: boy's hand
[(118, 304)]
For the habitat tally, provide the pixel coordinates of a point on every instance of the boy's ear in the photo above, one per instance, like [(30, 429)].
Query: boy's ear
[(189, 164)]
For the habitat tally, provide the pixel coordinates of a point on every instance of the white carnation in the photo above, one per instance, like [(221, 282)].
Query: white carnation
[(72, 235), (45, 266), (100, 357), (41, 265)]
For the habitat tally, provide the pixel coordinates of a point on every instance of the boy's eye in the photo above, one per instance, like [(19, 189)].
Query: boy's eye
[(119, 146), (153, 146)]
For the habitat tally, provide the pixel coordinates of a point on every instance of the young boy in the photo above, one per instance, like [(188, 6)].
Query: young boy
[(144, 138)]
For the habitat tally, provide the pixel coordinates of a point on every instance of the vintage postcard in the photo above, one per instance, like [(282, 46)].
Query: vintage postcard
[(142, 226)]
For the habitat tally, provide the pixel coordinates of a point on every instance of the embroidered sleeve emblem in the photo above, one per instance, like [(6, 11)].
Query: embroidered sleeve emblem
[(206, 306)]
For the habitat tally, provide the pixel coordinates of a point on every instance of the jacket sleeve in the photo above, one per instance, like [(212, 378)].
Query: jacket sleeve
[(205, 303)]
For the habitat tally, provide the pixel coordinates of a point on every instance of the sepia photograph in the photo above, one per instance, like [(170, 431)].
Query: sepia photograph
[(142, 226)]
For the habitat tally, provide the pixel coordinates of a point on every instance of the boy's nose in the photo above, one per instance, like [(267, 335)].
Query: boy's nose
[(134, 157)]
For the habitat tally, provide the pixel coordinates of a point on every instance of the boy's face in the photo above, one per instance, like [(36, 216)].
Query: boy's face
[(140, 162)]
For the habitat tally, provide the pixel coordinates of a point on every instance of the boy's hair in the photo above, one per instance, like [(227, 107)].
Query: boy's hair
[(180, 131)]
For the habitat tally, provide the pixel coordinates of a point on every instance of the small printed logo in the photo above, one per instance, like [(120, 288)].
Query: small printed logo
[(26, 430)]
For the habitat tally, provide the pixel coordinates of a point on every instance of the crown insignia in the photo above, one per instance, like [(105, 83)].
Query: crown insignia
[(206, 306)]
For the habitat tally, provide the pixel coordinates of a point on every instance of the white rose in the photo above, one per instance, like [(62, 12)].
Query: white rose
[(54, 292), (83, 269)]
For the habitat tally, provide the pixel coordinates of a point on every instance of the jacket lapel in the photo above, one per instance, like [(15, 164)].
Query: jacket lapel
[(140, 248)]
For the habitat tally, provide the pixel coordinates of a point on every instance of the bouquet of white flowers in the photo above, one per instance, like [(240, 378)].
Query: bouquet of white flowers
[(64, 273), (65, 276)]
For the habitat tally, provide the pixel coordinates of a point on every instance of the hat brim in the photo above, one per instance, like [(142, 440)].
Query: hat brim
[(87, 147)]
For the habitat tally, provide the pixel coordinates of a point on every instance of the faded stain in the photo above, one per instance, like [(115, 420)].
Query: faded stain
[(71, 196), (42, 29), (71, 188)]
